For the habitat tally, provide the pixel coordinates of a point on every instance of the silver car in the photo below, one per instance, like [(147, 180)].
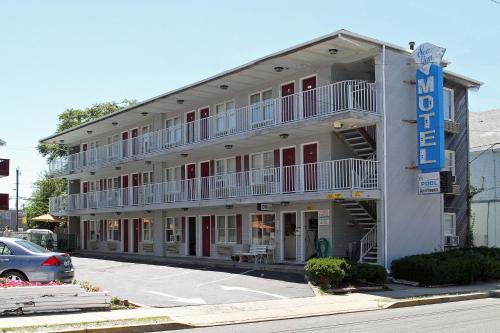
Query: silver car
[(21, 260)]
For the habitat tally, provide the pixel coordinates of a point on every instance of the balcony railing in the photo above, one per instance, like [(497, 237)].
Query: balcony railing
[(346, 174), (314, 103)]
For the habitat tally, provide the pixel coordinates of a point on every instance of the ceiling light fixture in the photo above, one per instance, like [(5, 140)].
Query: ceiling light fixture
[(144, 113), (279, 69), (284, 135), (224, 86), (228, 146), (61, 141), (333, 51), (184, 155), (118, 168), (180, 101), (89, 132), (114, 123)]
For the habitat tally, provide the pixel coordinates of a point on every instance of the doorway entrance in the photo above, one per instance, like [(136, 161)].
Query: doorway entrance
[(136, 235), (290, 236), (288, 164), (192, 235), (205, 226), (310, 233)]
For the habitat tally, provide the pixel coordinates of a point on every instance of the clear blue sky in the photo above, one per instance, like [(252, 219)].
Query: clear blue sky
[(60, 54)]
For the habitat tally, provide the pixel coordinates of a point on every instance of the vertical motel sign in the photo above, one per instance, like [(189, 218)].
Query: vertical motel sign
[(430, 116)]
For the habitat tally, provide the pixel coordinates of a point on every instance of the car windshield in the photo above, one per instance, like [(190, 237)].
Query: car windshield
[(32, 246)]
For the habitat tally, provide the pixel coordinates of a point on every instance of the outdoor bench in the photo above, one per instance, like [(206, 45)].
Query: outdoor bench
[(259, 254)]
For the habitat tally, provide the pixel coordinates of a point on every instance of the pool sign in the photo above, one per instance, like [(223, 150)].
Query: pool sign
[(429, 183), (430, 114)]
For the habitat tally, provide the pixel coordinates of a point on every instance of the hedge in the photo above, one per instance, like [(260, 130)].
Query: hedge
[(462, 266), (334, 272)]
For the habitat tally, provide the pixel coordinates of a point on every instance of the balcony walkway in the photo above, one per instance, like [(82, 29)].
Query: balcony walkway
[(356, 97), (348, 178)]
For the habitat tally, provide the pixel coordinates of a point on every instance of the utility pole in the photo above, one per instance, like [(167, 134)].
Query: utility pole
[(17, 199)]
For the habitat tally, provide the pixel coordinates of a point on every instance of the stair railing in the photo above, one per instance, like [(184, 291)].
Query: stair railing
[(368, 242)]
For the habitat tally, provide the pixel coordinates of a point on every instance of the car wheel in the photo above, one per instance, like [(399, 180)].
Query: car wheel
[(14, 276)]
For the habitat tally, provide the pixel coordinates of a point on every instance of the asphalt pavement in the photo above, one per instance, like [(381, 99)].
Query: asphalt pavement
[(167, 286), (468, 316)]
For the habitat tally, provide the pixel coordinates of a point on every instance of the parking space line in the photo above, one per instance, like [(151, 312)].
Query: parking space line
[(253, 291), (224, 279)]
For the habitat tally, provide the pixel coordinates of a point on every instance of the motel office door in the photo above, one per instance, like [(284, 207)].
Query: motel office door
[(205, 227), (290, 236)]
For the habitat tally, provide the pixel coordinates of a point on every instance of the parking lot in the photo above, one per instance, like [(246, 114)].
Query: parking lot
[(166, 286)]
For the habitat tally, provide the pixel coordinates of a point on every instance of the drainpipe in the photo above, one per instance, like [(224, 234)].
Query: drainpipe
[(384, 156)]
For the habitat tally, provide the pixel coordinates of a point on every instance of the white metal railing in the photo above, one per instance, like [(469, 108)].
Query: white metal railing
[(313, 177), (314, 103), (368, 242)]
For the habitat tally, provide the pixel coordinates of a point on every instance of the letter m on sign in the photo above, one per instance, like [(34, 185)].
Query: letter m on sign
[(426, 85)]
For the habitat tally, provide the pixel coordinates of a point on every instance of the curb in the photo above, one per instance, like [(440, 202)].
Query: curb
[(128, 328), (442, 299)]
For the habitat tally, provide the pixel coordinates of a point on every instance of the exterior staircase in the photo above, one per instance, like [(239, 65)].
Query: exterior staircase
[(364, 216), (359, 141)]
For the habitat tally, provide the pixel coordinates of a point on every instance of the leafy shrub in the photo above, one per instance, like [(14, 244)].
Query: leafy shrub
[(363, 272), (336, 272), (326, 271), (449, 267)]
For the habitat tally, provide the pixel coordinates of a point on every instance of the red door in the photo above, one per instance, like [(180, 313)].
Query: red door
[(85, 147), (310, 153), (191, 181), (205, 224), (125, 235), (136, 234), (288, 169), (204, 120), (205, 179), (85, 234), (124, 144), (136, 182), (85, 189), (125, 190), (190, 126), (309, 97), (135, 141), (287, 102)]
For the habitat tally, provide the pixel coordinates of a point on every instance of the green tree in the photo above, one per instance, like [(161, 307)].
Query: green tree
[(73, 117), (45, 187)]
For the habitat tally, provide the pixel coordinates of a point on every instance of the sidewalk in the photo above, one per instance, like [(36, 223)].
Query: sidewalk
[(226, 314)]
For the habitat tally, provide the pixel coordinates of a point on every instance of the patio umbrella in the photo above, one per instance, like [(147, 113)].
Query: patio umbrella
[(47, 218)]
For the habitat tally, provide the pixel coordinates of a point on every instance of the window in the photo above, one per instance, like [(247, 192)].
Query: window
[(262, 167), (173, 229), (147, 138), (94, 230), (450, 162), (27, 245), (147, 230), (4, 250), (450, 224), (225, 115), (173, 132), (113, 146), (261, 107), (449, 104), (226, 229), (262, 229), (113, 230)]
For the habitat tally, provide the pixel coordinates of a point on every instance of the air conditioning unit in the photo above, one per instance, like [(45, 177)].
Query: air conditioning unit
[(451, 240)]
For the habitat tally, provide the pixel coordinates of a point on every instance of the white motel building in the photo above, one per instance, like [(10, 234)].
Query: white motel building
[(318, 141)]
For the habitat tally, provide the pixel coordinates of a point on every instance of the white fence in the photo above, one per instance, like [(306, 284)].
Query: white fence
[(314, 177), (314, 103)]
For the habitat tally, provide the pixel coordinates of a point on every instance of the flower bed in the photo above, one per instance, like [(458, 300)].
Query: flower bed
[(10, 284)]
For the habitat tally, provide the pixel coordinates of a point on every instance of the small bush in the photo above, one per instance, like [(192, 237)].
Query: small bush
[(462, 266), (335, 272), (326, 272), (363, 272)]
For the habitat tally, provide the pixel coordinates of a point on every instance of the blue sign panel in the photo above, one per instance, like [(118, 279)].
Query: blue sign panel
[(430, 119)]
